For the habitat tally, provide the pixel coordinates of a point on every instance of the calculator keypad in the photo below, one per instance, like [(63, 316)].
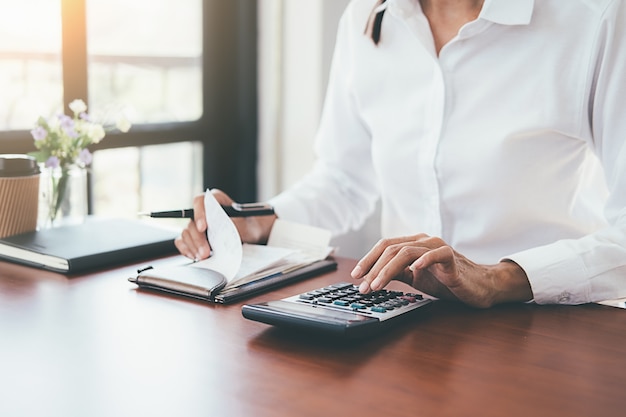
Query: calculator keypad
[(383, 304)]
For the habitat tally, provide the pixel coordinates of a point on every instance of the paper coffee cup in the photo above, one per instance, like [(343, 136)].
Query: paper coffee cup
[(19, 194)]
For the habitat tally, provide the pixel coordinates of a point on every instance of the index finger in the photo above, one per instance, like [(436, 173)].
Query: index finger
[(369, 260)]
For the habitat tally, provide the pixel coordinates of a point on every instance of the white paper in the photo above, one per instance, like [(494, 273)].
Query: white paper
[(290, 245), (312, 241), (226, 249), (620, 302), (259, 258)]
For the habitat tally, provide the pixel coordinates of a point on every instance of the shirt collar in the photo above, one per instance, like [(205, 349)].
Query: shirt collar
[(402, 7), (505, 12), (508, 12)]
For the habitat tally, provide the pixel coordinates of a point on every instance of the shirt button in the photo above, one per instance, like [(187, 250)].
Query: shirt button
[(564, 297)]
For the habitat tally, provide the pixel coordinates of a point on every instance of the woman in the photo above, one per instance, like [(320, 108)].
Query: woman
[(494, 134)]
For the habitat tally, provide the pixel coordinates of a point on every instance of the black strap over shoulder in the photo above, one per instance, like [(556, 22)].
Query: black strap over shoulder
[(375, 21)]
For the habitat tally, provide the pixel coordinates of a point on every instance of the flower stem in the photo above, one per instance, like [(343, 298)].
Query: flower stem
[(59, 193)]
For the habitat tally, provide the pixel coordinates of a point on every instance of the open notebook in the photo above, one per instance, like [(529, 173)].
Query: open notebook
[(235, 270)]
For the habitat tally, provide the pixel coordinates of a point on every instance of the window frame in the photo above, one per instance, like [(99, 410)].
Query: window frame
[(227, 128)]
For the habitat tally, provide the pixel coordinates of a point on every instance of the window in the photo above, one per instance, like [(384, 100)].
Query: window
[(146, 53), (30, 61), (184, 70)]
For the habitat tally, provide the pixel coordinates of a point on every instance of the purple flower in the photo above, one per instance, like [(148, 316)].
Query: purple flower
[(84, 116), (52, 162), (69, 131), (85, 157), (65, 121), (39, 133), (67, 124)]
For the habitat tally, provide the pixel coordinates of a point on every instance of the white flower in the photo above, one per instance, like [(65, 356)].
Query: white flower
[(95, 132), (54, 123), (123, 124), (78, 106), (66, 138)]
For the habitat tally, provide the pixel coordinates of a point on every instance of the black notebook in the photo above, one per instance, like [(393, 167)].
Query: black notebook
[(96, 243)]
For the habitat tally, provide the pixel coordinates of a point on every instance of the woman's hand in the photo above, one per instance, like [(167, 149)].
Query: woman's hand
[(431, 266), (193, 242)]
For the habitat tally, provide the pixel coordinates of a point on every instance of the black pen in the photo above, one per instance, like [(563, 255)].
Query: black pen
[(234, 210)]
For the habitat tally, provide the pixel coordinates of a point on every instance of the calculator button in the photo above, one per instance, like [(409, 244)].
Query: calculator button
[(357, 306), (416, 296), (378, 309), (341, 285), (342, 303), (307, 296)]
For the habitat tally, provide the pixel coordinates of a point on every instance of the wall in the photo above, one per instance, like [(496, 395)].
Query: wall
[(296, 41)]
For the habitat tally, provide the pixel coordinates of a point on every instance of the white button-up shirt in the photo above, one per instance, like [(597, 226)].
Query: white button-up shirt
[(511, 143)]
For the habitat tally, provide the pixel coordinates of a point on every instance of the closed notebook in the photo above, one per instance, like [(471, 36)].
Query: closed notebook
[(96, 243)]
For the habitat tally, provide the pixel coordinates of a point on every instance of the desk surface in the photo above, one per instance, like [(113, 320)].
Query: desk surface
[(94, 345)]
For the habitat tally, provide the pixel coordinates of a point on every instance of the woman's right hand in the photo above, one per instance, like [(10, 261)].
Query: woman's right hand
[(193, 242)]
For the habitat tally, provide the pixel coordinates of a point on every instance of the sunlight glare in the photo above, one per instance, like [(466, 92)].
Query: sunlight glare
[(30, 25)]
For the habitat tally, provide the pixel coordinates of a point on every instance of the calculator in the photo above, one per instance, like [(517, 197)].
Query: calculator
[(338, 309)]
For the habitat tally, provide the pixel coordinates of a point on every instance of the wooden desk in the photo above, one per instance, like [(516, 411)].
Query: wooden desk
[(94, 345)]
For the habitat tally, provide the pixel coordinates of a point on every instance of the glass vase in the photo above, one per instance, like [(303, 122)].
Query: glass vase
[(63, 196)]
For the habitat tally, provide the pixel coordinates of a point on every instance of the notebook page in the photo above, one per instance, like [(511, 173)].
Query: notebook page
[(226, 250)]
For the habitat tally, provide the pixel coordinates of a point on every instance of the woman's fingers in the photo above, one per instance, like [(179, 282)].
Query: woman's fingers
[(192, 243), (390, 259), (365, 265)]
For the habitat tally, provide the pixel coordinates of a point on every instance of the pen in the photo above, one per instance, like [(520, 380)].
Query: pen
[(234, 210)]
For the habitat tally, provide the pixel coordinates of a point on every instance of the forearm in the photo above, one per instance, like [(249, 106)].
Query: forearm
[(257, 229)]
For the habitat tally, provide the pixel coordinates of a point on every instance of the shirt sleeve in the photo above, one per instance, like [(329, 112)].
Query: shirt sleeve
[(341, 191), (593, 268)]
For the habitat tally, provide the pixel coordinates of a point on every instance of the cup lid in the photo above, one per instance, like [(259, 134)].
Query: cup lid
[(16, 165)]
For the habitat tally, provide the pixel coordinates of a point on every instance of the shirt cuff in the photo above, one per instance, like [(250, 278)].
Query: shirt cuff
[(556, 275), (291, 209)]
